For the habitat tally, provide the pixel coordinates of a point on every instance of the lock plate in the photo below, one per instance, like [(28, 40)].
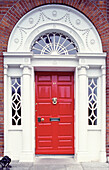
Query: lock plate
[(54, 100), (39, 119)]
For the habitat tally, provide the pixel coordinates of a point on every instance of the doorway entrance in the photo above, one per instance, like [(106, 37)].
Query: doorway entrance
[(54, 113), (49, 41)]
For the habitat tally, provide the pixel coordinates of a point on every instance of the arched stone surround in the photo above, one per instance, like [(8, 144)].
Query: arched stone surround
[(18, 9), (55, 17)]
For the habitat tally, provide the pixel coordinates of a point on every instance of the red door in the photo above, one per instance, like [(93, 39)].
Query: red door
[(54, 113)]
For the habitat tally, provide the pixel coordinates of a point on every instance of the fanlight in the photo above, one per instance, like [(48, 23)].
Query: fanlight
[(54, 44)]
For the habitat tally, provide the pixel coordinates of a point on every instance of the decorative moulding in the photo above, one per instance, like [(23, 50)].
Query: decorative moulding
[(58, 18), (17, 54), (30, 54)]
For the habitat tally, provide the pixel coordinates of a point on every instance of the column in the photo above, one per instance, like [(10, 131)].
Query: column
[(82, 114), (26, 155), (103, 115), (5, 109)]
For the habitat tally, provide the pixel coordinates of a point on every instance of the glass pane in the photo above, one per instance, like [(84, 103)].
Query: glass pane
[(92, 101), (13, 122), (54, 44), (16, 101)]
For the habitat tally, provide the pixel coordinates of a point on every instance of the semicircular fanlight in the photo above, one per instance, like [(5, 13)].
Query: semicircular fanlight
[(54, 44)]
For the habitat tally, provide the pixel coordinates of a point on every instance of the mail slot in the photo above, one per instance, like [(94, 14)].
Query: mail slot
[(54, 119)]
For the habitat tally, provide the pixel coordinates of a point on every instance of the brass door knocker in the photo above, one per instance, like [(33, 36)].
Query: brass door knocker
[(54, 100)]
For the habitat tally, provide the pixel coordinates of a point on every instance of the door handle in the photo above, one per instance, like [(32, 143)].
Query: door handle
[(42, 119)]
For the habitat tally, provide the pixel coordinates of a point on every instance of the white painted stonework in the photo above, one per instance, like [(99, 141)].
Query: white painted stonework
[(89, 62), (58, 18)]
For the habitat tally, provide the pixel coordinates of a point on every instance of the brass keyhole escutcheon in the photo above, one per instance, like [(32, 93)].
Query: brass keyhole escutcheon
[(54, 100)]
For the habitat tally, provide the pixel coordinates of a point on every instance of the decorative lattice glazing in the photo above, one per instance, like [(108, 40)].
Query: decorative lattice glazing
[(92, 101), (54, 44), (16, 101)]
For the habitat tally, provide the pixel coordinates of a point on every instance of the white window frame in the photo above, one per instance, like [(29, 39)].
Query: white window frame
[(96, 74), (10, 76)]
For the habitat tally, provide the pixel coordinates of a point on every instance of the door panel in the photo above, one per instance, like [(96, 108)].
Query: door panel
[(64, 92), (44, 109), (65, 108), (44, 78), (54, 122), (64, 78), (44, 91)]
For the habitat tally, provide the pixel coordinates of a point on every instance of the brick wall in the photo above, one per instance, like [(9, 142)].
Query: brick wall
[(12, 10), (108, 11)]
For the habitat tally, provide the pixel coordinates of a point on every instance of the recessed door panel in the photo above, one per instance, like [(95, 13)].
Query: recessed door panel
[(44, 109), (64, 91), (45, 129), (44, 78), (65, 108), (64, 78), (54, 113), (44, 92), (65, 129)]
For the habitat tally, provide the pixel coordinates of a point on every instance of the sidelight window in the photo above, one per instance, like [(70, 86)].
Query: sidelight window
[(92, 101), (16, 101)]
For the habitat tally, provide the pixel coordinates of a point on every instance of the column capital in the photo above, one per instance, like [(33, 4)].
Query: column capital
[(82, 70), (83, 66), (26, 69), (103, 68), (28, 66), (5, 69), (5, 66)]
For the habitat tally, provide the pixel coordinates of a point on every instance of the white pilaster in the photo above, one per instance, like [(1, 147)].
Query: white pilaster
[(103, 115), (26, 155), (5, 109), (82, 114)]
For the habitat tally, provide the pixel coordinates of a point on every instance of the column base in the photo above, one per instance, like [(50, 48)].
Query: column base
[(102, 156), (82, 157), (14, 156), (27, 156), (89, 157)]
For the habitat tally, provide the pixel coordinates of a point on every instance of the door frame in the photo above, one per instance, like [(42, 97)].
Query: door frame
[(81, 65)]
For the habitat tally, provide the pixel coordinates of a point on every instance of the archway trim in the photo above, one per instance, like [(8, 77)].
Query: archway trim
[(54, 17)]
